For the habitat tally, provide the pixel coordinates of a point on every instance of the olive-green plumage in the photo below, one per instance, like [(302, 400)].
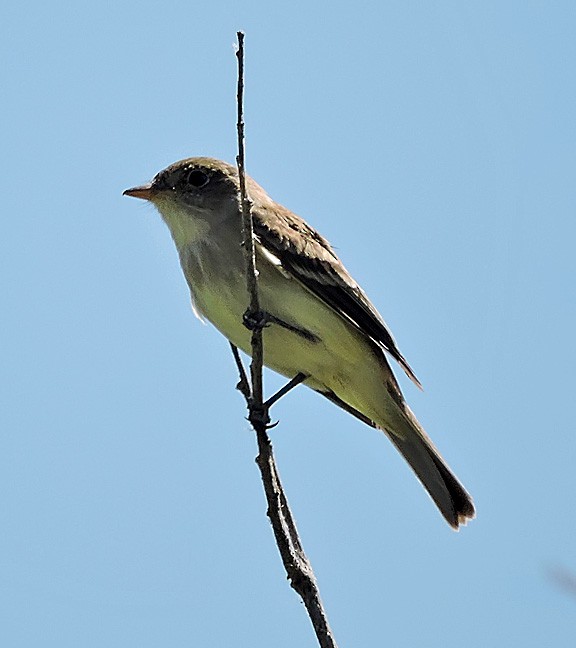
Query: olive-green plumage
[(328, 330)]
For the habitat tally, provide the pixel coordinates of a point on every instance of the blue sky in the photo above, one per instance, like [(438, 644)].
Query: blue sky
[(433, 144)]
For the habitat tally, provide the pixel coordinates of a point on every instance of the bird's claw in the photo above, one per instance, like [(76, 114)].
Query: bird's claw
[(254, 321), (259, 416)]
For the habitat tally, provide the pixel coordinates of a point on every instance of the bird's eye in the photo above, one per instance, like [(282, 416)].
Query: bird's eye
[(197, 179)]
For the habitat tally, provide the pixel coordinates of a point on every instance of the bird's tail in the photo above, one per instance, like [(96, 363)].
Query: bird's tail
[(417, 448)]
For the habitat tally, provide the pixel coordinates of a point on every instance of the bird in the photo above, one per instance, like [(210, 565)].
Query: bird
[(321, 324)]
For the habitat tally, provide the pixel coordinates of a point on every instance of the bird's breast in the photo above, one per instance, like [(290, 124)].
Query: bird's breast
[(315, 341)]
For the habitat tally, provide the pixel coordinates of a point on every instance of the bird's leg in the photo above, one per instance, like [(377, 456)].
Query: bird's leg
[(261, 415), (254, 321), (298, 378), (262, 319)]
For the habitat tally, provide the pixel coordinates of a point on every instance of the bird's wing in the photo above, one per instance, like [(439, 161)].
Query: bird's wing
[(307, 256)]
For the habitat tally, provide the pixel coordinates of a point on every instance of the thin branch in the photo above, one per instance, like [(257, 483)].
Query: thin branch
[(243, 385), (296, 564), (250, 253), (298, 568)]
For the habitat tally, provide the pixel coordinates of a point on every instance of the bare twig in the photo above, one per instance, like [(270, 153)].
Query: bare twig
[(250, 254), (296, 564), (243, 385)]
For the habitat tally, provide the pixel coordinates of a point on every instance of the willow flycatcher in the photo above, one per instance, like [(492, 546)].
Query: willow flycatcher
[(322, 323)]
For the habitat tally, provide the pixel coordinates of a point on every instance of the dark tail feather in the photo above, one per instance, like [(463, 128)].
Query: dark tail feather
[(447, 492), (417, 448)]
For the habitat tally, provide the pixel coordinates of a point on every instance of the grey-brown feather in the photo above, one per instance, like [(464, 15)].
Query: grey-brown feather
[(310, 258), (301, 253), (416, 447)]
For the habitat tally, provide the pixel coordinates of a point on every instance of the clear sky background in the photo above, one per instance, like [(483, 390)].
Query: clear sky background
[(434, 145)]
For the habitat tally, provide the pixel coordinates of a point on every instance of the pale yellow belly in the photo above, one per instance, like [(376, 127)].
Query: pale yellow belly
[(339, 360)]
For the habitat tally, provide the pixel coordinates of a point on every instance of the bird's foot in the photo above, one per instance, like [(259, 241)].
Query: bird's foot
[(256, 321)]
